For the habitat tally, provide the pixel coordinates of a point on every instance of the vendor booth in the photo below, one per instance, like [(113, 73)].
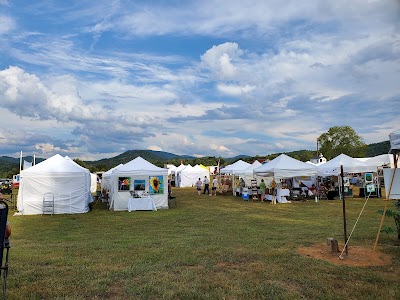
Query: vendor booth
[(233, 170), (284, 167), (350, 165), (136, 181), (60, 179)]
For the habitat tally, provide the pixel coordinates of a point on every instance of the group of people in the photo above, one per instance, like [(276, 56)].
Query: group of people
[(206, 182)]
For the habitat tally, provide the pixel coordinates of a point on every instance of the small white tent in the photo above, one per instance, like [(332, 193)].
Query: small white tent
[(235, 168), (285, 166), (138, 172), (106, 178), (178, 169), (350, 165), (66, 180)]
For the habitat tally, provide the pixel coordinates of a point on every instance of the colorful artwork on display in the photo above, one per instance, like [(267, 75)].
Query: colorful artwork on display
[(368, 177), (124, 183), (139, 185), (156, 185), (370, 188)]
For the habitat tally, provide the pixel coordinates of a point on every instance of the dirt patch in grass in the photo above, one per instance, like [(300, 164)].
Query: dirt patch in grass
[(358, 256)]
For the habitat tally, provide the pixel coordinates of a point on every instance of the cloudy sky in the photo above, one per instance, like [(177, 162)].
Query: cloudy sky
[(92, 79)]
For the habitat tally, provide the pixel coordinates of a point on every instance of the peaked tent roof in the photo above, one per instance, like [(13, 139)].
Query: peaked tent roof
[(250, 169), (379, 160), (55, 165), (140, 166), (236, 167), (285, 166), (350, 165)]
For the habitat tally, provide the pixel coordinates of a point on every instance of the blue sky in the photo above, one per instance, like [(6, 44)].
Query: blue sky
[(92, 79)]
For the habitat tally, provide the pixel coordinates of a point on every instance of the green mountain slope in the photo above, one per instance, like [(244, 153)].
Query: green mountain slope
[(10, 166)]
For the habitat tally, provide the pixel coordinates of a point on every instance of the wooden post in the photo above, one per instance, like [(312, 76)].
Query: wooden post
[(386, 201)]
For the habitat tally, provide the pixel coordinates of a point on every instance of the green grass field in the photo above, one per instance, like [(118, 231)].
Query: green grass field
[(205, 248)]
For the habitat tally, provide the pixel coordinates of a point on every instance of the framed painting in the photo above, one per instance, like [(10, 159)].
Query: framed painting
[(124, 183), (139, 185), (156, 185)]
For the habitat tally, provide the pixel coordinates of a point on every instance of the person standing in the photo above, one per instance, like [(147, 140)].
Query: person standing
[(198, 186), (206, 182), (214, 186), (273, 191), (262, 189)]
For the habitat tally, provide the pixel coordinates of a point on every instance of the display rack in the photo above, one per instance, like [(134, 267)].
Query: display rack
[(254, 190)]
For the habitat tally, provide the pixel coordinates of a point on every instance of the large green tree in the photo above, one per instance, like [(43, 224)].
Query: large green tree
[(341, 139)]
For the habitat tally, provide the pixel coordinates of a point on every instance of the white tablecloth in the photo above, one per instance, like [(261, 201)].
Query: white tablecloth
[(281, 195), (146, 203)]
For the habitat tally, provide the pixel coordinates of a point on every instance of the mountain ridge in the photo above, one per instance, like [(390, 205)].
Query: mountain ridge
[(10, 166)]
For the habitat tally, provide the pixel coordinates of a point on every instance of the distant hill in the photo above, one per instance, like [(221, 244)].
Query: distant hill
[(238, 157), (158, 158), (378, 148), (10, 166)]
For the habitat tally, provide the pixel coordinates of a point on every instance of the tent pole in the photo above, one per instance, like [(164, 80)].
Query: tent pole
[(20, 163), (386, 201), (344, 209)]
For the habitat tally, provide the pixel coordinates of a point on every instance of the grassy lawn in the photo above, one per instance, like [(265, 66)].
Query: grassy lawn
[(205, 248)]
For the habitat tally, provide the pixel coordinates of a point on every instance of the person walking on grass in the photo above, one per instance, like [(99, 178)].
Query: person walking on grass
[(198, 186), (214, 186), (206, 182)]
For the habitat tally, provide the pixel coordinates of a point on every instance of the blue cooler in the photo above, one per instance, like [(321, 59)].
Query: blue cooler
[(245, 194)]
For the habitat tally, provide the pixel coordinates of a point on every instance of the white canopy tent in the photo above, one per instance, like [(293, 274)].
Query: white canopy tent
[(203, 171), (248, 173), (350, 165), (285, 166), (189, 175), (171, 169), (65, 179), (143, 172), (177, 175), (383, 160), (235, 168)]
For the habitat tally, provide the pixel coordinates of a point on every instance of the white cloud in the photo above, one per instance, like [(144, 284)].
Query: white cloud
[(154, 76), (7, 24), (154, 148), (219, 59), (234, 90)]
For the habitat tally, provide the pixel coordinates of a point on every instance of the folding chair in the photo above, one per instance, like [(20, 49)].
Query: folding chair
[(4, 245)]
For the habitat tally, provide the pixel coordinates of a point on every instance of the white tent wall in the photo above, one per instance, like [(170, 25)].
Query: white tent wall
[(189, 175), (88, 177), (69, 184)]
